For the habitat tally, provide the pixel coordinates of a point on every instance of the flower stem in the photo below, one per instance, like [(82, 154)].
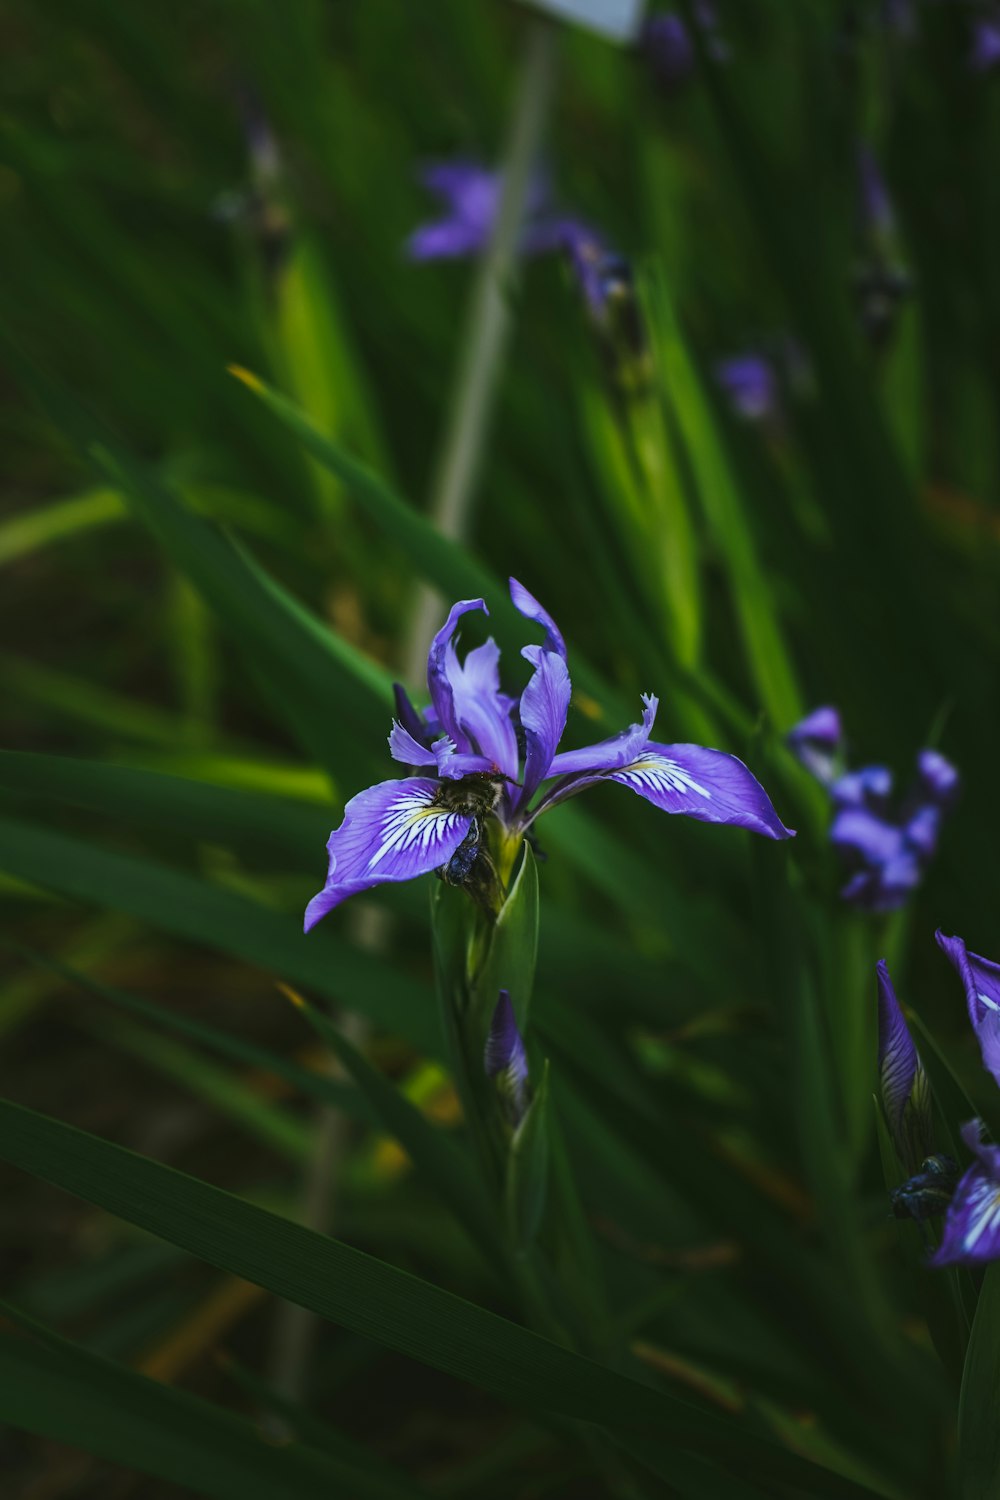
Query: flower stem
[(487, 325)]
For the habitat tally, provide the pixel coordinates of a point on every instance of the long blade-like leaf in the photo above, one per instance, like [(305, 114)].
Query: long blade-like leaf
[(378, 1300)]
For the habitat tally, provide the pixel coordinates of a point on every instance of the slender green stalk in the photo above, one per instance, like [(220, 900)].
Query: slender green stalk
[(487, 326)]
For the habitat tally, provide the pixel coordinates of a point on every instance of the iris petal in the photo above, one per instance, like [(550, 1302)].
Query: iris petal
[(544, 706), (708, 785), (392, 831), (442, 665), (527, 605), (610, 754), (981, 979), (971, 1233)]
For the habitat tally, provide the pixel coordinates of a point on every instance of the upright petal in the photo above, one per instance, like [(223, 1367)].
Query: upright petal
[(410, 718), (442, 667), (971, 1234), (392, 831), (981, 980), (527, 605), (544, 706), (610, 754), (897, 1056), (482, 711)]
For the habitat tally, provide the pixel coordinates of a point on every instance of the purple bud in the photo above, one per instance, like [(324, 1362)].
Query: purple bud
[(938, 777), (751, 383), (506, 1062), (902, 1081), (874, 203), (816, 741)]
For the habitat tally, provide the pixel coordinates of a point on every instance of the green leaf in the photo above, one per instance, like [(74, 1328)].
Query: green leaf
[(513, 949), (978, 1428), (291, 828), (528, 1168), (192, 909), (310, 1084), (53, 1388), (26, 532), (334, 697), (432, 1152), (378, 1300)]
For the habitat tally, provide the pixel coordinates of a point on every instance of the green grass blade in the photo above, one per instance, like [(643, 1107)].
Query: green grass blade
[(202, 913), (257, 821), (434, 1154), (53, 1388), (378, 1300)]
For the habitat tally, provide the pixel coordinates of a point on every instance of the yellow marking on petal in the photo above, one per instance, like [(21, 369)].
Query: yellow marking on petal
[(250, 380)]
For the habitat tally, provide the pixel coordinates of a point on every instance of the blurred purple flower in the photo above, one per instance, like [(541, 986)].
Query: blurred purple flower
[(470, 195), (818, 742), (985, 52), (506, 1061), (899, 17), (886, 849), (874, 203), (668, 44), (468, 746), (751, 383)]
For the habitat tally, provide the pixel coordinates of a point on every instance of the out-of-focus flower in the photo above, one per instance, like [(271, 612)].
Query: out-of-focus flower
[(476, 792), (470, 195), (818, 742), (886, 849), (903, 1083), (506, 1062), (899, 17), (755, 381), (881, 283), (985, 53), (751, 383), (670, 47), (874, 204), (607, 285)]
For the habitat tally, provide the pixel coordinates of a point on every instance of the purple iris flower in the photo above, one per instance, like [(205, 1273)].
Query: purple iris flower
[(477, 785), (470, 194), (887, 849), (506, 1061), (902, 1080), (972, 1227), (985, 52), (971, 1235), (670, 47), (751, 383), (818, 742)]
